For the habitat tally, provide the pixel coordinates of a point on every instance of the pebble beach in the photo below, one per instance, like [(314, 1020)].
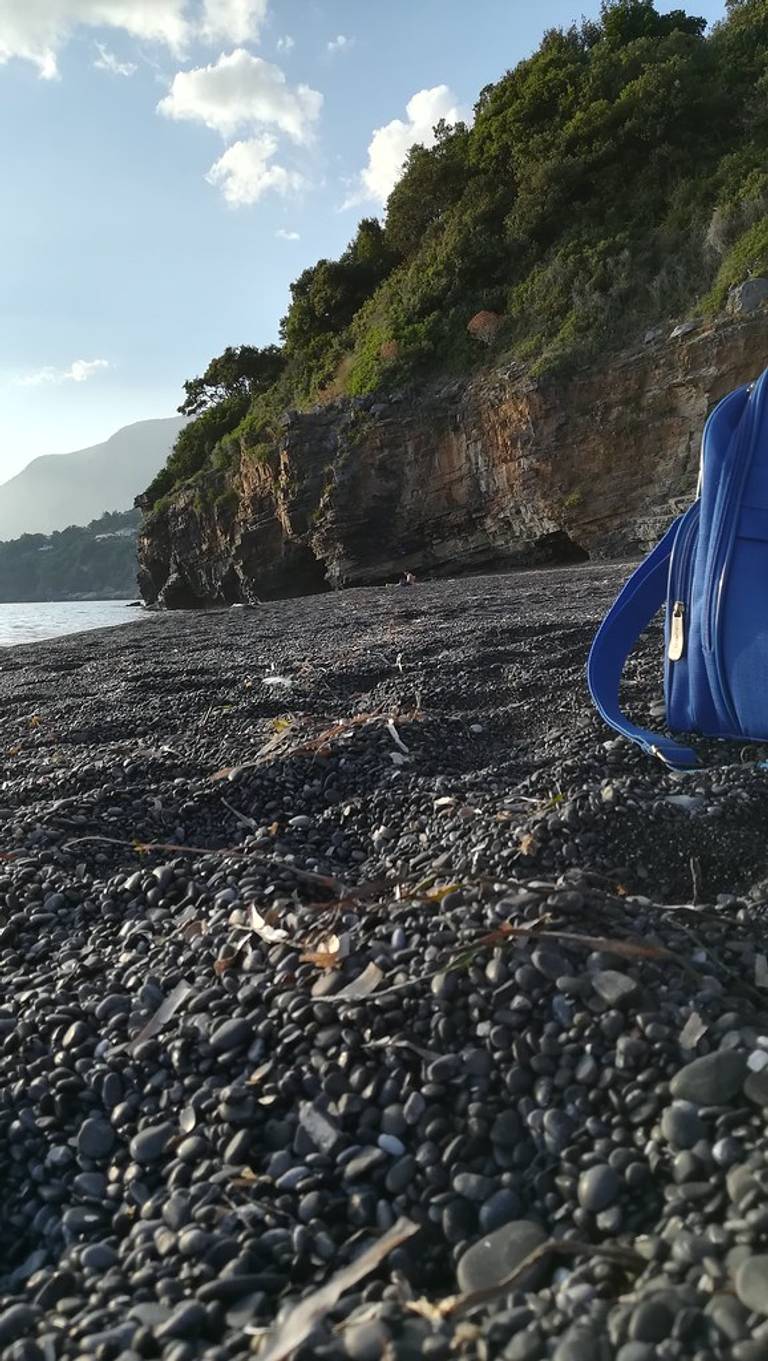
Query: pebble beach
[(363, 997)]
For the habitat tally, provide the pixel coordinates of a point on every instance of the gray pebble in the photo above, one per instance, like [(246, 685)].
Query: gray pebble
[(751, 1283), (713, 1080), (497, 1255)]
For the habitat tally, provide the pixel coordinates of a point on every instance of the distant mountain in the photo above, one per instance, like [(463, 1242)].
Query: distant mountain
[(70, 489)]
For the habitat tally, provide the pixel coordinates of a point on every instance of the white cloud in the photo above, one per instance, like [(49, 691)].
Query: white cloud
[(390, 145), (285, 235), (286, 43), (241, 91), (244, 173), (340, 43), (78, 372), (233, 21), (107, 61), (36, 30)]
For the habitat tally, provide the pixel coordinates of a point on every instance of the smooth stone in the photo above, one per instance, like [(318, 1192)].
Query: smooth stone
[(16, 1321), (614, 988), (366, 1341), (400, 1175), (652, 1321), (187, 1320), (598, 1188), (149, 1145), (501, 1208), (493, 1258), (363, 1164), (751, 1283), (681, 1125), (525, 1346), (231, 1035), (713, 1080), (473, 1187), (506, 1129), (414, 1108), (579, 1345), (95, 1139), (98, 1257), (756, 1087)]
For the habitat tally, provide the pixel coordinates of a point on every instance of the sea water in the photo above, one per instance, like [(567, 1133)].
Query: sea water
[(29, 623)]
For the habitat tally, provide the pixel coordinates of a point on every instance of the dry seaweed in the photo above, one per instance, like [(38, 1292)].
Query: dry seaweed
[(311, 1310)]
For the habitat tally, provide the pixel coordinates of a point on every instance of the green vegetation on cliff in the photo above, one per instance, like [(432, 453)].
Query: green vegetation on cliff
[(96, 562), (615, 178)]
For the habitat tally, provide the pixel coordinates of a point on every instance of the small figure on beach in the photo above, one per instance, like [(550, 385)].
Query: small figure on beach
[(407, 579)]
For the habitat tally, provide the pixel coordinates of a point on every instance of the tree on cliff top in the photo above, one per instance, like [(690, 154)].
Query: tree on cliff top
[(241, 371)]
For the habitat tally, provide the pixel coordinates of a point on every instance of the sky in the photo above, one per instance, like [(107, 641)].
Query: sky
[(169, 166)]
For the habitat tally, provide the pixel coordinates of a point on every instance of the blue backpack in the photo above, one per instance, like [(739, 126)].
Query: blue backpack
[(712, 569)]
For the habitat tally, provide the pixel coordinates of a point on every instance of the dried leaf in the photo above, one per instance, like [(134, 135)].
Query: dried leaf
[(259, 1073), (436, 895), (362, 986), (242, 818), (328, 953), (163, 1014), (245, 1176), (528, 844), (310, 1311), (225, 962), (194, 928), (626, 949), (396, 738), (272, 934), (434, 1313)]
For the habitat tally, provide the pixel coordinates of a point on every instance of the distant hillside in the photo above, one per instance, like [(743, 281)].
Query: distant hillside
[(65, 489), (97, 562)]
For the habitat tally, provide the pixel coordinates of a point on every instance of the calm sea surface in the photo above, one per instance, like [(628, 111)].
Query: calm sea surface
[(29, 623)]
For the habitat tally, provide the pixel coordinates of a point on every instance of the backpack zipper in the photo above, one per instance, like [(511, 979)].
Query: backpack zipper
[(677, 632), (679, 579)]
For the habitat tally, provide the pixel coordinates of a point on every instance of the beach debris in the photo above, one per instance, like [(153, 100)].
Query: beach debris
[(313, 1308), (366, 983), (396, 738), (164, 1012), (328, 953), (693, 1031), (262, 928)]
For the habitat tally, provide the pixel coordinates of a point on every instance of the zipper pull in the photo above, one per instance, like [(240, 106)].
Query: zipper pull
[(677, 632)]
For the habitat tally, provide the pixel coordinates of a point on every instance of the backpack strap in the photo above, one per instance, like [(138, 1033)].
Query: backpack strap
[(634, 609)]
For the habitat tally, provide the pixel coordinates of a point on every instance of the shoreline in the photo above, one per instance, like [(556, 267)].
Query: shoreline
[(409, 948)]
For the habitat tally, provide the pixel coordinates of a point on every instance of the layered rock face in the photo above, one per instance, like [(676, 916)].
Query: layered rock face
[(497, 471)]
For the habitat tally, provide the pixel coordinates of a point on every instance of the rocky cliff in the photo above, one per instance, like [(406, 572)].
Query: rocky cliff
[(500, 470)]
